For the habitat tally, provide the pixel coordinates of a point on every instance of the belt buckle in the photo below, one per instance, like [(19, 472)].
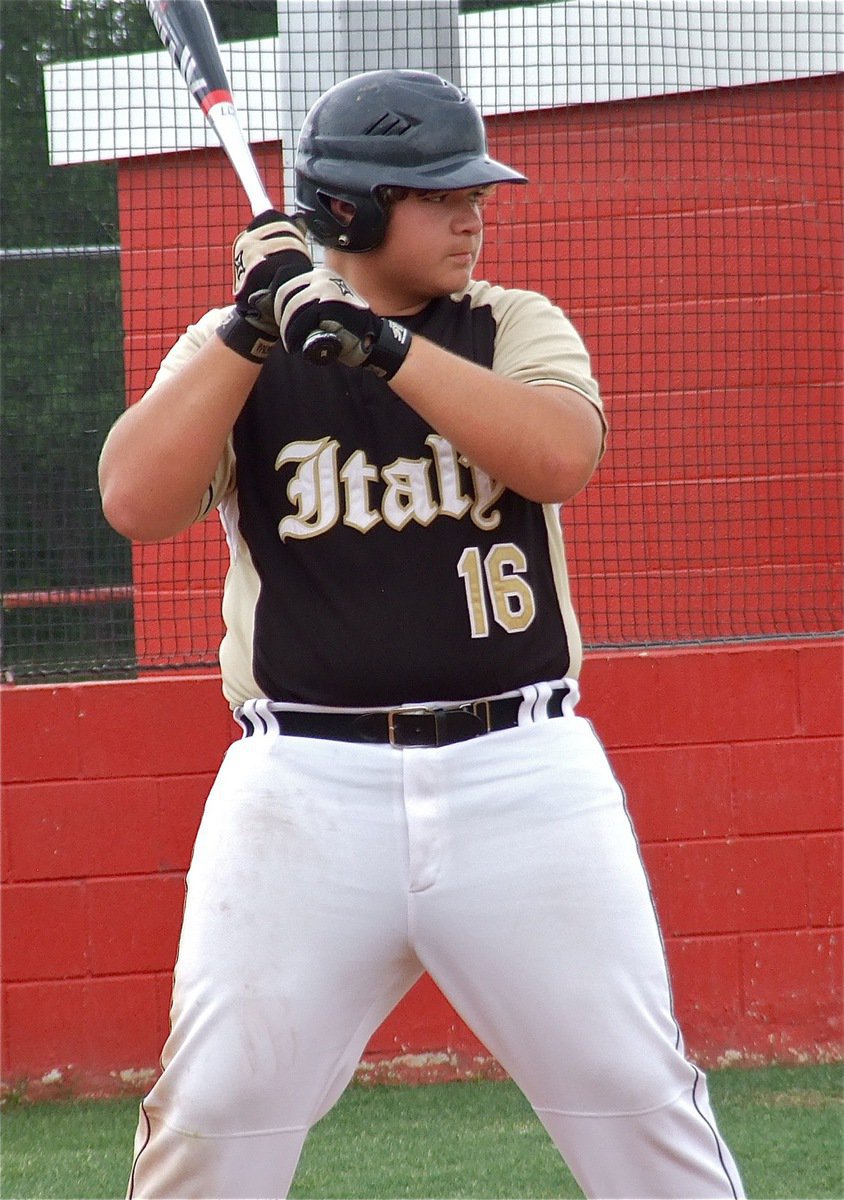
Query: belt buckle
[(486, 710), (413, 712)]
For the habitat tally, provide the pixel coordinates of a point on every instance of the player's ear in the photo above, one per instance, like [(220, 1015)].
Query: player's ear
[(343, 211)]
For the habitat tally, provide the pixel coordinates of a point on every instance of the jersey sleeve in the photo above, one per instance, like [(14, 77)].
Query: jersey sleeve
[(181, 352), (536, 343)]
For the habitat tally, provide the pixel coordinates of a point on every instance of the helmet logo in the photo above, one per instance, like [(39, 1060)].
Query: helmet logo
[(391, 124)]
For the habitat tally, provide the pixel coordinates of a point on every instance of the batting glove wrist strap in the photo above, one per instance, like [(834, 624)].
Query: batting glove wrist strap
[(389, 349), (323, 302), (245, 338)]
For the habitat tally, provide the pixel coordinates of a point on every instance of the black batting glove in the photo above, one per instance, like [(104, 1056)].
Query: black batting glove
[(271, 250), (321, 302)]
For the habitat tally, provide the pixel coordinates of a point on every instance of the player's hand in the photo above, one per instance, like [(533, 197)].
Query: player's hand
[(271, 250), (323, 301)]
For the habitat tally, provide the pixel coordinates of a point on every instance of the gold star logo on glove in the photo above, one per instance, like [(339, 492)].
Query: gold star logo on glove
[(341, 285)]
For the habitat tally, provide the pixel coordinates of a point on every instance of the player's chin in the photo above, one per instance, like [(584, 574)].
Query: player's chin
[(456, 273)]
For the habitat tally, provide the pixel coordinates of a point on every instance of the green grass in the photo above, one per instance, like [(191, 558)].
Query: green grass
[(784, 1125)]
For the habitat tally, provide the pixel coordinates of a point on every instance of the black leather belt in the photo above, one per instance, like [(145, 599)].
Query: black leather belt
[(423, 726)]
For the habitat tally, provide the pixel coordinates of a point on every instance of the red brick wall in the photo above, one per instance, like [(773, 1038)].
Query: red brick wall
[(731, 758)]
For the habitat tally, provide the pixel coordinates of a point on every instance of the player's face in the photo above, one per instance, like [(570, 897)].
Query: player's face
[(432, 243)]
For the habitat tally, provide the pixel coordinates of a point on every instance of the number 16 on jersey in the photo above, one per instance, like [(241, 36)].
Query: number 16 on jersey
[(494, 582)]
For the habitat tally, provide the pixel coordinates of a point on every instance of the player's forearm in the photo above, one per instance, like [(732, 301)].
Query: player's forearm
[(540, 441), (160, 456)]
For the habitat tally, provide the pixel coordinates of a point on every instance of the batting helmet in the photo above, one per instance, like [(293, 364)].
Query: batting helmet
[(407, 129)]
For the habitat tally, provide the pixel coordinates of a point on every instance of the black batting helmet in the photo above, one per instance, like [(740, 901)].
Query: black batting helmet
[(408, 129)]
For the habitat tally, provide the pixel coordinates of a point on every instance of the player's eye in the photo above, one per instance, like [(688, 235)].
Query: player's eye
[(476, 197), (481, 195)]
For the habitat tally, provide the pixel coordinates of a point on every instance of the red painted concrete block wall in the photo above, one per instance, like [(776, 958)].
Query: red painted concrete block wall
[(736, 788), (103, 789), (730, 758)]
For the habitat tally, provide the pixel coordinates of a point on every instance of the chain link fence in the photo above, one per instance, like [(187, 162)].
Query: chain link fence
[(684, 209)]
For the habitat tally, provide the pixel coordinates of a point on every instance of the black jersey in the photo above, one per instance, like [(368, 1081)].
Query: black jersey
[(371, 563)]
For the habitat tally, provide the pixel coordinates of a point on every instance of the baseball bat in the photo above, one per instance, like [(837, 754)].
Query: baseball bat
[(185, 28)]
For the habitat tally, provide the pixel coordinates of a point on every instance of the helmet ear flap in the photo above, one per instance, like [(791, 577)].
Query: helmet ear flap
[(321, 221), (363, 232)]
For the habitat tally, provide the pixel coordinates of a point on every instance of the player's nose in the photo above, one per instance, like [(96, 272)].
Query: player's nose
[(466, 215)]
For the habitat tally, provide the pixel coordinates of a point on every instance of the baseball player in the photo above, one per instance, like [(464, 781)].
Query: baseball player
[(388, 442)]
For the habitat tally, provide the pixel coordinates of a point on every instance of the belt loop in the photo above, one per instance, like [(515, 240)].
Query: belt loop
[(263, 713), (544, 692), (249, 720), (243, 721), (572, 697), (529, 694), (256, 716)]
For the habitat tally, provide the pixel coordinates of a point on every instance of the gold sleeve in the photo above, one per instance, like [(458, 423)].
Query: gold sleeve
[(181, 352), (535, 341)]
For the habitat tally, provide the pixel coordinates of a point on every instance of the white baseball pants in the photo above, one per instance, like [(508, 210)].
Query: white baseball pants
[(327, 876)]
